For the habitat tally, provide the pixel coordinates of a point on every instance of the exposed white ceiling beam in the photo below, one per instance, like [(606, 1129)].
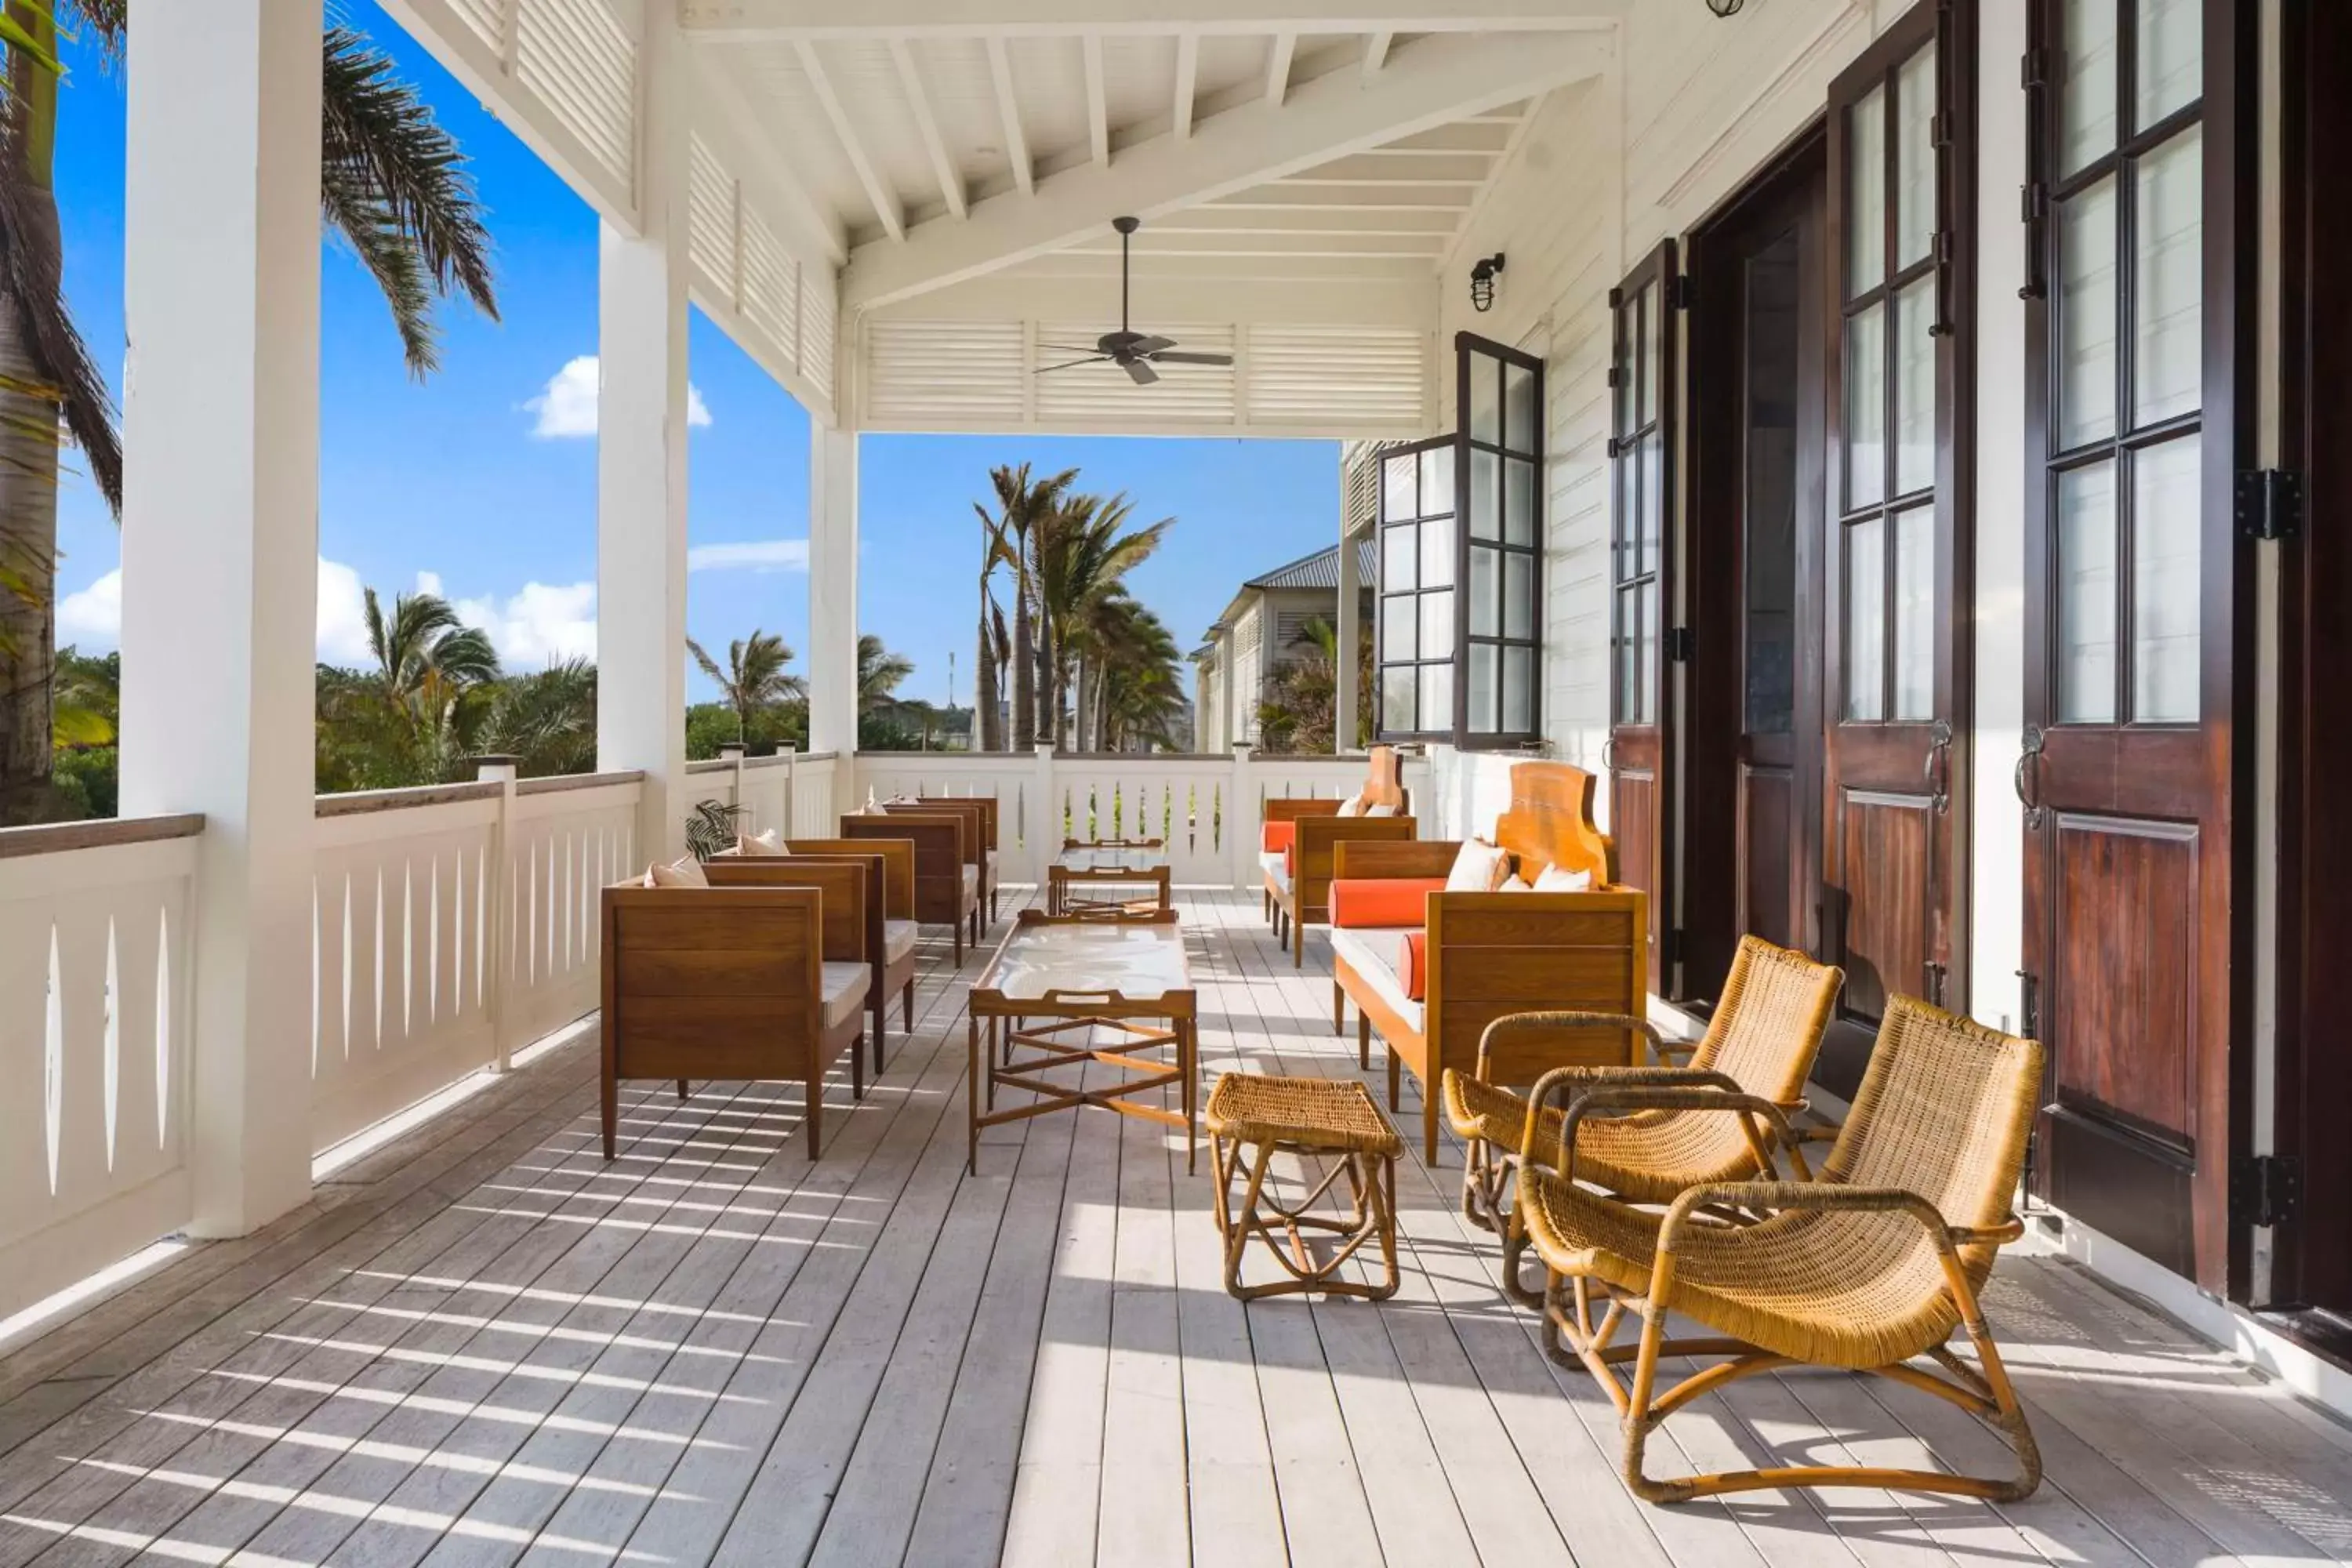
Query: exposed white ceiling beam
[(718, 19), (1098, 103), (885, 200), (1008, 111), (1188, 81), (1277, 66), (918, 99), (1376, 53), (1328, 118)]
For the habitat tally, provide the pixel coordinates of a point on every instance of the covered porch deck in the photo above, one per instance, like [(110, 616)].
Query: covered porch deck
[(481, 1343)]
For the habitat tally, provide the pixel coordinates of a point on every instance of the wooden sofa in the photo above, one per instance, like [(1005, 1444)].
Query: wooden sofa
[(888, 869), (947, 882), (1299, 837), (984, 843), (1429, 970), (733, 982)]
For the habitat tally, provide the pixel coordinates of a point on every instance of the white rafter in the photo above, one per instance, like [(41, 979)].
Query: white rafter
[(918, 98), (1188, 80), (1328, 118), (1008, 111), (1376, 53), (1277, 66), (710, 19), (886, 202), (1098, 103)]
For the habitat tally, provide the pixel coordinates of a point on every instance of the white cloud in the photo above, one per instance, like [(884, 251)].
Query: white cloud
[(543, 622), (566, 406), (93, 617), (751, 555)]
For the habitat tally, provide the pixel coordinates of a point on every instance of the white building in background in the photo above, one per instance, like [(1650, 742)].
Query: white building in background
[(1263, 629)]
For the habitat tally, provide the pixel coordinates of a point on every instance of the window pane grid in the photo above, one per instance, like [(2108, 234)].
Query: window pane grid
[(2125, 490), (1637, 451)]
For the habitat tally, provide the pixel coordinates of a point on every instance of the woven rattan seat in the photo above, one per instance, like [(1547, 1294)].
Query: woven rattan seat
[(1867, 1268), (1328, 1122), (1309, 1114)]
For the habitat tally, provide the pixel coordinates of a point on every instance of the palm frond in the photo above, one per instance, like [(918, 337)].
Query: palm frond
[(354, 211), (31, 260)]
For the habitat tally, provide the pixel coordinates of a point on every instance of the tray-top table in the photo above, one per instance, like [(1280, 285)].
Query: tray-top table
[(1127, 865), (1057, 982)]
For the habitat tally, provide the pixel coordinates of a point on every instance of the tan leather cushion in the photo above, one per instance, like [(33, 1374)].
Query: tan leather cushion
[(686, 871), (898, 940), (845, 990)]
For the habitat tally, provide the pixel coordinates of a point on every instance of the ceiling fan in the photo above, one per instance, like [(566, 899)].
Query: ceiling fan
[(1134, 352)]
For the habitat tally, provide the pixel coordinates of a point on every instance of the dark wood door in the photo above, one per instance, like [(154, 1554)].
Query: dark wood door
[(1641, 569), (2136, 334), (1753, 824), (1893, 881)]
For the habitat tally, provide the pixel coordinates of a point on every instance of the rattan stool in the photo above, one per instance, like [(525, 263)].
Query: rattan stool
[(1306, 1116)]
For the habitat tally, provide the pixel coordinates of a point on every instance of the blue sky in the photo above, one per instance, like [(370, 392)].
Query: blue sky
[(450, 481)]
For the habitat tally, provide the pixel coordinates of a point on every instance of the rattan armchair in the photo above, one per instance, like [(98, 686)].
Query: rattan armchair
[(1766, 1031), (1869, 1269)]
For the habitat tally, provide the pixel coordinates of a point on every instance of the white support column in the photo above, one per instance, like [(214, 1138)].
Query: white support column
[(641, 459), (833, 590), (1345, 718), (220, 546)]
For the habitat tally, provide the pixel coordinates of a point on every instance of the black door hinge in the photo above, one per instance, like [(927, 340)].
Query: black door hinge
[(1682, 643), (1616, 376), (1616, 299), (2265, 1189), (2270, 503), (1618, 446), (1678, 291)]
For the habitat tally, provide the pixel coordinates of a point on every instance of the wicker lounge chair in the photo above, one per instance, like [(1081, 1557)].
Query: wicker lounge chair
[(1762, 1040), (1867, 1268)]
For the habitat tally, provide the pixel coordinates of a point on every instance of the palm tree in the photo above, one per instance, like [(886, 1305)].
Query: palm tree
[(1082, 549), (432, 671), (989, 734), (880, 673), (754, 680), (547, 721), (1301, 714), (393, 185), (1022, 508)]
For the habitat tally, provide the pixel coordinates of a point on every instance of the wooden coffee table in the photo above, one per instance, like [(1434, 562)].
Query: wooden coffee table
[(1127, 864), (1056, 985)]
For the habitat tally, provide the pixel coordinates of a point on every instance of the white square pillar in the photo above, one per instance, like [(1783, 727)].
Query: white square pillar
[(220, 544), (833, 589), (641, 459)]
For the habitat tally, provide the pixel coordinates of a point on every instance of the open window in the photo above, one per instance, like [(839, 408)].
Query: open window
[(1459, 646)]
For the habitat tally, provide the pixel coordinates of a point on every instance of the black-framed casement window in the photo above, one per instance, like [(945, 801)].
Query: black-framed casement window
[(2123, 149), (1641, 418), (1460, 643), (1892, 311)]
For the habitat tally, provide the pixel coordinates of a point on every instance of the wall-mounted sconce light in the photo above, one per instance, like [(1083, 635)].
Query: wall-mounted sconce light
[(1482, 281), (1724, 7)]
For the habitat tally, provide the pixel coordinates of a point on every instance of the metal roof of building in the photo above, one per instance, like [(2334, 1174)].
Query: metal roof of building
[(1321, 569)]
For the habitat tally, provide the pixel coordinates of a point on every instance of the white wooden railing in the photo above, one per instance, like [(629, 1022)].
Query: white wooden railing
[(451, 925), (789, 792), (1207, 807), (95, 944)]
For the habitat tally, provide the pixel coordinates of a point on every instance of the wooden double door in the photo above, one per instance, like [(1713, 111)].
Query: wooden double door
[(1827, 678)]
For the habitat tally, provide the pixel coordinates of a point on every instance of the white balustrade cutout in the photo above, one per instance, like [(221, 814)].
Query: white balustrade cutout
[(94, 954)]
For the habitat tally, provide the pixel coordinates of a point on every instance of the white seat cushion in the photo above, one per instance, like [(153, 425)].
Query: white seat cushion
[(988, 865), (898, 940), (972, 880), (1372, 954), (845, 990), (1270, 861), (1281, 875)]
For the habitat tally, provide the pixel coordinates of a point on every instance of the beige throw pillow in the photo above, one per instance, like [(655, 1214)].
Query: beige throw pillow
[(1380, 811), (1556, 880), (1352, 806), (684, 872), (1479, 867), (768, 843)]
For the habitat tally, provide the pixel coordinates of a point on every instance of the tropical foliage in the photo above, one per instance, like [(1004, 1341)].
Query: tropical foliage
[(755, 679), (1301, 714), (1090, 669), (394, 187)]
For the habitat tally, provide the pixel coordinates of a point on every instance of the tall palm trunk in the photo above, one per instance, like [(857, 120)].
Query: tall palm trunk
[(28, 463), (1024, 667), (988, 725)]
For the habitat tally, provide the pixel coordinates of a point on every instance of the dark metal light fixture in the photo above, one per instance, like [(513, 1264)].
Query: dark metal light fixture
[(1726, 7), (1482, 281)]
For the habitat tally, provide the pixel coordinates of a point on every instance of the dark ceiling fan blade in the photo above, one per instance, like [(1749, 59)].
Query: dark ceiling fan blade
[(1164, 357), (1072, 364), (1151, 345), (1074, 348), (1140, 372)]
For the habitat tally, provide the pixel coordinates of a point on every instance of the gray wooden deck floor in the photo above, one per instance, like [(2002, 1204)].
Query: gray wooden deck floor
[(480, 1343)]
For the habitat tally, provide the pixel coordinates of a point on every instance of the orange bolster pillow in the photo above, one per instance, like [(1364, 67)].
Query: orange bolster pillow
[(1374, 901), (1276, 838), (1413, 965)]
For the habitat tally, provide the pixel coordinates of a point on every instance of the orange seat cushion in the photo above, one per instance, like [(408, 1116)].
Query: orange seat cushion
[(1413, 964), (1276, 838), (1363, 901)]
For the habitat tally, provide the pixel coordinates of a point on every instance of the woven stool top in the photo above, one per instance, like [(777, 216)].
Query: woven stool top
[(1302, 1112)]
